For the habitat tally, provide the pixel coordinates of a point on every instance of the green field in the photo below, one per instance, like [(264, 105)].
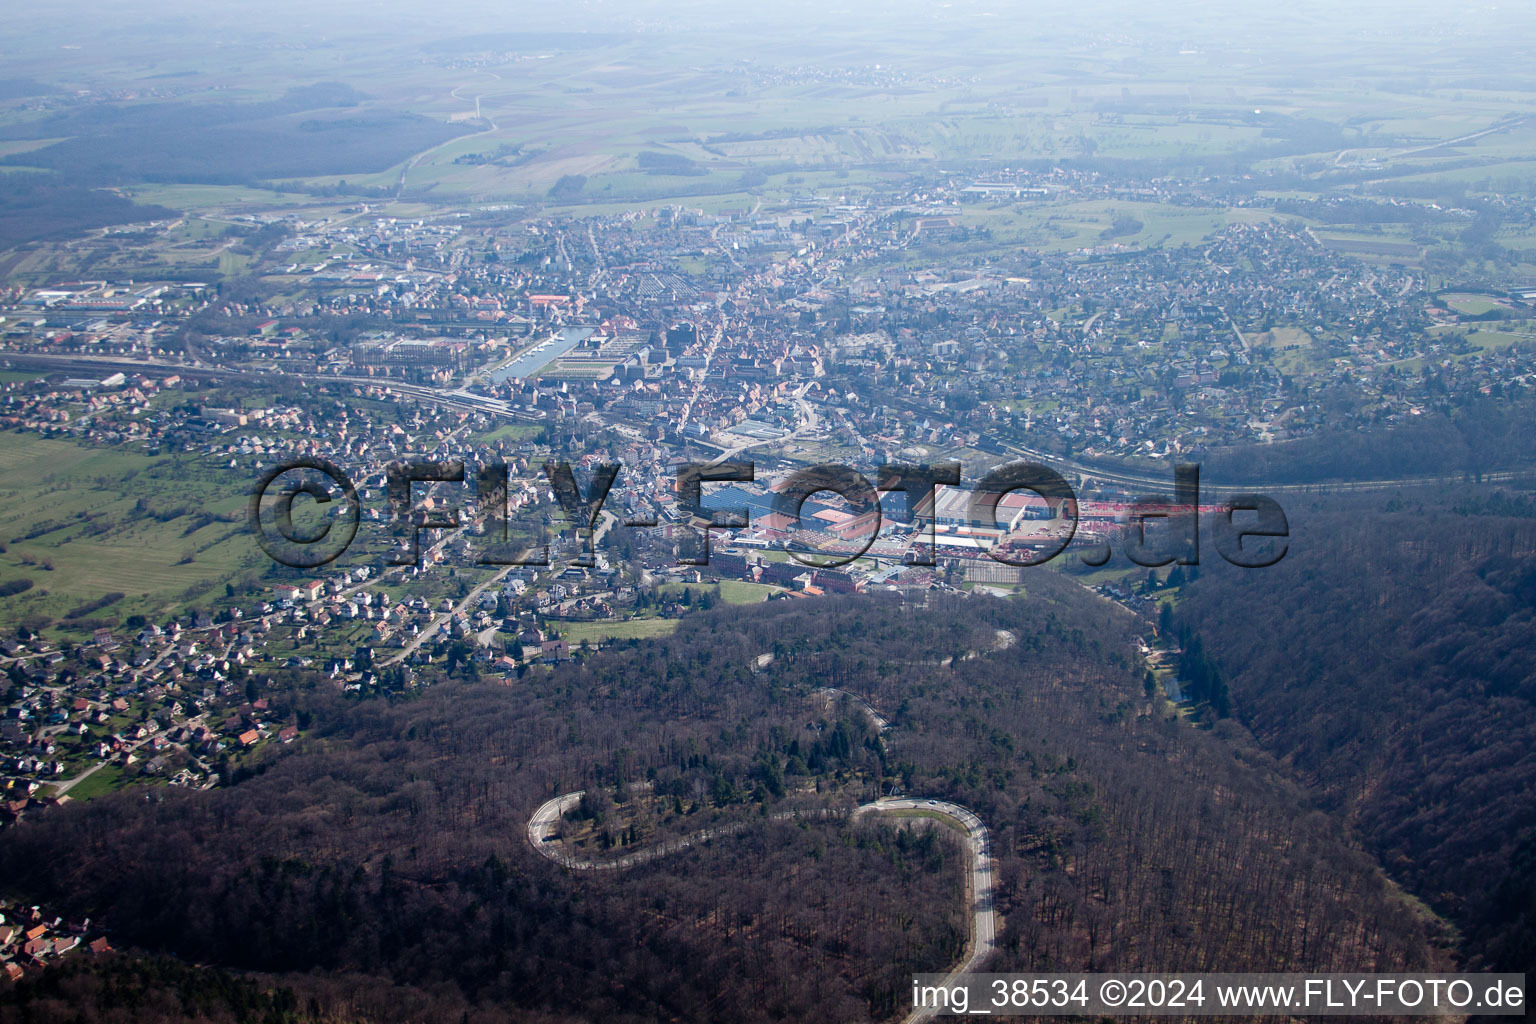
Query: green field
[(742, 592), (602, 632), (1490, 341), (1076, 225), (102, 781), (513, 432), (1291, 349), (729, 591), (1472, 305), (81, 523)]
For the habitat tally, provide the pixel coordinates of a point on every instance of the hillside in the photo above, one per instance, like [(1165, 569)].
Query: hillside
[(392, 844), (1394, 671)]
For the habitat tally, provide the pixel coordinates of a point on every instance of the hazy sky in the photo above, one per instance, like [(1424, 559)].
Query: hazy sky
[(91, 43), (1094, 18)]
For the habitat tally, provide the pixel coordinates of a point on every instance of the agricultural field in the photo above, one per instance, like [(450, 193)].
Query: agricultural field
[(1372, 247), (80, 524)]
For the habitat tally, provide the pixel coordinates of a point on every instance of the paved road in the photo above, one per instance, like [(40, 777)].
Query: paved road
[(413, 161), (881, 723), (443, 618), (981, 880), (1155, 481), (981, 888), (61, 788), (1398, 154)]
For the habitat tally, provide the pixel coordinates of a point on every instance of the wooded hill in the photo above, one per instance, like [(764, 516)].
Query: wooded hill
[(390, 844), (1389, 661)]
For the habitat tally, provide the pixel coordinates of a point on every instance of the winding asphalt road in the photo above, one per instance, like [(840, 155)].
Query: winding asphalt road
[(981, 880), (981, 885)]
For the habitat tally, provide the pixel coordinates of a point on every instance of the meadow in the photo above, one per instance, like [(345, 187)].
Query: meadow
[(80, 523)]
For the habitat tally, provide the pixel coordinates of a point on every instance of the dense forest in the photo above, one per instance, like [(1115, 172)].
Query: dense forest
[(1474, 435), (1389, 662), (36, 207), (391, 842), (319, 129)]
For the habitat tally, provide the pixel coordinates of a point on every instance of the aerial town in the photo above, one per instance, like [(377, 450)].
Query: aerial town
[(886, 328), (662, 510)]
